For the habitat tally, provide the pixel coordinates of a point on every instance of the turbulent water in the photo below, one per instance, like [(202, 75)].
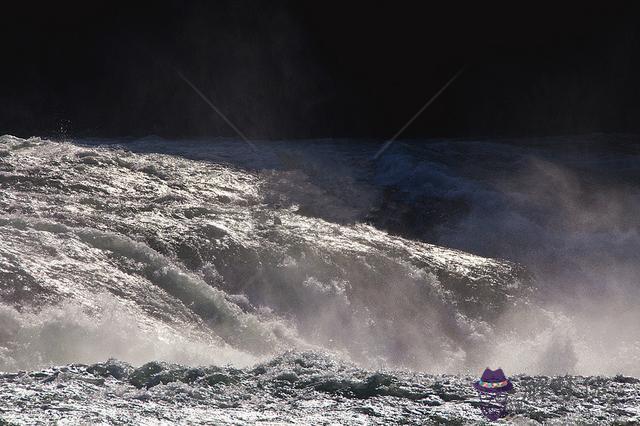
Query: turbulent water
[(300, 388), (208, 253)]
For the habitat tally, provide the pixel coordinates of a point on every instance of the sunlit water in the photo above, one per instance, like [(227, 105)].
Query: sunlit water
[(208, 253), (200, 252)]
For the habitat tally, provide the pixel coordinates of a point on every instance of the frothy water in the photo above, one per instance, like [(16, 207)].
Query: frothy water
[(566, 208), (202, 253)]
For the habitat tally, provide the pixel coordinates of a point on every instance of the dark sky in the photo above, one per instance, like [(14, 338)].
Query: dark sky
[(314, 69)]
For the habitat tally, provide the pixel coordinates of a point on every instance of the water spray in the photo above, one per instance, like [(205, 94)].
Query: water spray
[(388, 143), (217, 111)]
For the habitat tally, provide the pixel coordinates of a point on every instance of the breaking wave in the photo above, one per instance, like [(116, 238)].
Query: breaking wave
[(201, 253)]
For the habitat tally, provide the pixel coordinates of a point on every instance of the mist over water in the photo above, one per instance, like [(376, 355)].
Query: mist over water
[(578, 232), (204, 252), (566, 208)]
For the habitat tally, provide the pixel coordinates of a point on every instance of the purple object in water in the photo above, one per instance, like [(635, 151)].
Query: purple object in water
[(493, 388)]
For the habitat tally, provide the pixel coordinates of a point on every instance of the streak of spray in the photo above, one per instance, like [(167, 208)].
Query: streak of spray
[(217, 111), (388, 143)]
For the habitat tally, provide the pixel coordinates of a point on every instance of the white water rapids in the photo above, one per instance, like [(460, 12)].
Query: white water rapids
[(205, 253)]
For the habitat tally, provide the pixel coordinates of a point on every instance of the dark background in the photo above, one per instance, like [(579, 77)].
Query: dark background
[(285, 69)]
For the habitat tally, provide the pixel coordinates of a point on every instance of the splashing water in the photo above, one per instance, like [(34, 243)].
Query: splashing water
[(204, 253)]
